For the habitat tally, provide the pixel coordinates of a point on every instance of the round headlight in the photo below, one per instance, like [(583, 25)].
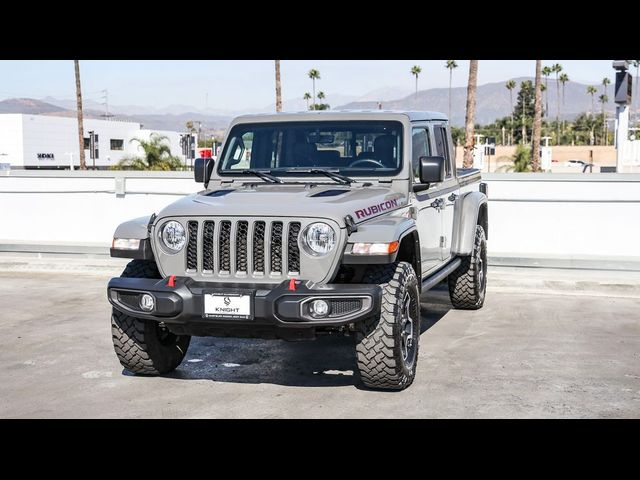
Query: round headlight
[(173, 236), (320, 238)]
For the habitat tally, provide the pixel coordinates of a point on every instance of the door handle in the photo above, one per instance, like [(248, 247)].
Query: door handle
[(438, 204), (452, 197)]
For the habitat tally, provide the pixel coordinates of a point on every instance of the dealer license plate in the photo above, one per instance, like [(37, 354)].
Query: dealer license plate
[(234, 306)]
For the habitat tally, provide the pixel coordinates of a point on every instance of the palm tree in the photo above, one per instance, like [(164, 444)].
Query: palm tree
[(470, 114), (546, 71), (511, 84), (416, 70), (314, 75), (604, 99), (537, 120), (591, 90), (278, 88), (321, 95), (605, 82), (307, 97), (557, 68), (156, 155), (83, 164), (451, 64), (564, 78)]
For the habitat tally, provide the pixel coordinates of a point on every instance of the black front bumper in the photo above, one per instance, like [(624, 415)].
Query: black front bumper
[(283, 307)]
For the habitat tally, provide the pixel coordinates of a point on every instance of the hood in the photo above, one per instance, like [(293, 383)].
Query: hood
[(313, 201)]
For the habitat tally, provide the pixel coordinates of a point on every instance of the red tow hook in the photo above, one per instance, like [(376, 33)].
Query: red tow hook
[(172, 281), (292, 285)]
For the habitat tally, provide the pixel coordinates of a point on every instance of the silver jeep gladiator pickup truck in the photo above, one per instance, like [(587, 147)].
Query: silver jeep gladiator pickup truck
[(309, 223)]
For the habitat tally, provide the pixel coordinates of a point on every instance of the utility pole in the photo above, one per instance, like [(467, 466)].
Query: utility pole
[(622, 98)]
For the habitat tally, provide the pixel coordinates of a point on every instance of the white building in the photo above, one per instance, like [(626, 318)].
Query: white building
[(47, 142)]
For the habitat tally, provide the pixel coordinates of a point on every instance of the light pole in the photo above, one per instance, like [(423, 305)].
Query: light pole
[(622, 98)]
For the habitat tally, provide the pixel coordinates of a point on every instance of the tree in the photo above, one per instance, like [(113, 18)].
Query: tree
[(416, 70), (157, 155), (524, 109), (83, 164), (564, 78), (511, 84), (451, 64), (278, 88), (591, 90), (537, 120), (546, 71), (521, 160), (307, 97), (314, 75), (321, 105), (604, 99), (470, 113), (557, 68)]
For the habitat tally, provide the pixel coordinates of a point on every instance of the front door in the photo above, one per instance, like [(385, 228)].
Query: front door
[(428, 211)]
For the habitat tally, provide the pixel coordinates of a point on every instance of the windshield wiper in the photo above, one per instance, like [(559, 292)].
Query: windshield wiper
[(337, 177), (266, 176)]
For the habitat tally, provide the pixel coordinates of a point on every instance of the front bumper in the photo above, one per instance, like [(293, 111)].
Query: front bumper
[(283, 306)]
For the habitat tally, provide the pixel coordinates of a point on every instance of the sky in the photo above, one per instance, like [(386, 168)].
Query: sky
[(245, 84)]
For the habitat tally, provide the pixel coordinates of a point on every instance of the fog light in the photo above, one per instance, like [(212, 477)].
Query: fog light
[(319, 308), (147, 302)]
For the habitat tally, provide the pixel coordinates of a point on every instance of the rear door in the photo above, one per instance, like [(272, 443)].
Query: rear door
[(451, 191)]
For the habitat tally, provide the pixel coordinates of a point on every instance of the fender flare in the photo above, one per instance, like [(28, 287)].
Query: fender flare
[(138, 228), (471, 209)]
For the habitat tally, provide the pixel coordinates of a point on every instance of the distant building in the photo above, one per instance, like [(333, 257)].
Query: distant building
[(47, 142)]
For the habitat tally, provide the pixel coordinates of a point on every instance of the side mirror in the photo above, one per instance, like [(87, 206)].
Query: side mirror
[(202, 169), (432, 169)]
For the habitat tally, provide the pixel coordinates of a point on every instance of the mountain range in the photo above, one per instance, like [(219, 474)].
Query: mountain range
[(493, 101)]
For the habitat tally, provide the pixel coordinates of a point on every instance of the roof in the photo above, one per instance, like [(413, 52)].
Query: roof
[(336, 114)]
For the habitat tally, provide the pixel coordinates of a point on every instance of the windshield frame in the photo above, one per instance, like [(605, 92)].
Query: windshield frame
[(281, 172)]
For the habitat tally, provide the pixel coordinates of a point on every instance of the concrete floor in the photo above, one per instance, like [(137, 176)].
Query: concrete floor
[(522, 355)]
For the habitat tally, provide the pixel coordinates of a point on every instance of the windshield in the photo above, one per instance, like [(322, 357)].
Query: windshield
[(353, 148)]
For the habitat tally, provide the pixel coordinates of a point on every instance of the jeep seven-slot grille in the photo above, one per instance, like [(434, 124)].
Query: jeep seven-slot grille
[(252, 248)]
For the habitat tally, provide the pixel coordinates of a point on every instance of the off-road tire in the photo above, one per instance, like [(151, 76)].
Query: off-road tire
[(468, 282), (379, 340), (144, 346)]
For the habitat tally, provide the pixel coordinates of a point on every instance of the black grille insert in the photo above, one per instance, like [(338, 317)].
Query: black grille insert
[(207, 246), (242, 229), (192, 246), (224, 246), (293, 251), (276, 247), (258, 247)]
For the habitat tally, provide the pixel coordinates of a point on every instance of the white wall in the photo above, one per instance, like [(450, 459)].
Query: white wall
[(570, 216)]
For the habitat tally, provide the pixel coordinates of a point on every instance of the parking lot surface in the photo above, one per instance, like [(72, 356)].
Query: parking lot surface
[(523, 355)]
